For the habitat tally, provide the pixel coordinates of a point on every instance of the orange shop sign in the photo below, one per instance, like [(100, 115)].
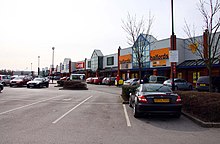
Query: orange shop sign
[(125, 59), (159, 54), (79, 65)]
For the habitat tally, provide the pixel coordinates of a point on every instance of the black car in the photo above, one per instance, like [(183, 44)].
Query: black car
[(155, 99), (38, 82), (1, 86), (202, 83)]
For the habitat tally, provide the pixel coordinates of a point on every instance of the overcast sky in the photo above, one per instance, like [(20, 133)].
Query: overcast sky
[(30, 28)]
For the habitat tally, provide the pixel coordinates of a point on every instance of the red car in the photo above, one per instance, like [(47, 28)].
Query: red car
[(97, 80), (19, 81)]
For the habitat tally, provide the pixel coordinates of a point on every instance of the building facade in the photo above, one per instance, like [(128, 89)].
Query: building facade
[(155, 61)]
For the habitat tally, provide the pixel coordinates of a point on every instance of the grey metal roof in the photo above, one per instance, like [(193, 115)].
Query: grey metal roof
[(98, 52), (149, 38), (199, 62)]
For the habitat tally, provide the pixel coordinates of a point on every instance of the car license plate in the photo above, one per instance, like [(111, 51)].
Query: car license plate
[(31, 85), (161, 100), (202, 84)]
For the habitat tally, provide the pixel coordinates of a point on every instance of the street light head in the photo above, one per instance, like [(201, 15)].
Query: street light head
[(38, 56), (53, 48)]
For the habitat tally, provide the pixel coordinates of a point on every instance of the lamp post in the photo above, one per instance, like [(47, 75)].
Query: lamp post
[(31, 70), (53, 64), (38, 66), (173, 47)]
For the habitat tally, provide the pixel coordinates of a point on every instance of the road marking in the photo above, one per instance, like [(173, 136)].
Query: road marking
[(67, 99), (28, 105), (54, 122), (126, 116)]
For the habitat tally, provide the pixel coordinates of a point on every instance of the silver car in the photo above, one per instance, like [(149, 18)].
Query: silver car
[(131, 81), (5, 79), (180, 84)]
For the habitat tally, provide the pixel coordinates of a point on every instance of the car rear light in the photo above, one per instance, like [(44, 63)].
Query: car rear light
[(142, 99), (178, 100)]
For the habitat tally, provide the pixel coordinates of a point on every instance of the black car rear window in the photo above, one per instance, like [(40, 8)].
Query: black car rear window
[(155, 88)]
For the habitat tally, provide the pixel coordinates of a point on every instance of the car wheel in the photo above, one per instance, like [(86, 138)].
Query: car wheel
[(47, 85), (135, 112)]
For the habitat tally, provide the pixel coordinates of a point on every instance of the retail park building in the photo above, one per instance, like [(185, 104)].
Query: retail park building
[(156, 62)]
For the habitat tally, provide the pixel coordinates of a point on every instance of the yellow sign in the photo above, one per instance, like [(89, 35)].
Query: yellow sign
[(194, 76)]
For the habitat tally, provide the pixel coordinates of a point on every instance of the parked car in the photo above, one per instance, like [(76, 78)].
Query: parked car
[(89, 80), (38, 82), (61, 81), (56, 77), (157, 79), (5, 79), (104, 80), (97, 80), (47, 79), (19, 81), (1, 87), (155, 99), (202, 83), (180, 84), (14, 76), (110, 80), (132, 81), (65, 78)]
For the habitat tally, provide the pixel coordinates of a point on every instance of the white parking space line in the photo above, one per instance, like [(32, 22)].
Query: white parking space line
[(8, 111), (54, 122), (126, 116)]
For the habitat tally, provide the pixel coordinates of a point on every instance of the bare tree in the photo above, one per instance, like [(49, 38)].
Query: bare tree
[(135, 29), (208, 48)]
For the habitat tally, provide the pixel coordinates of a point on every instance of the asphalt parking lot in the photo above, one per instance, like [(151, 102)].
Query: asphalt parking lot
[(50, 115)]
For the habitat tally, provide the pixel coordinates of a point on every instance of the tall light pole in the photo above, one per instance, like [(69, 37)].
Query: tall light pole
[(31, 70), (38, 65), (173, 47), (53, 64)]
